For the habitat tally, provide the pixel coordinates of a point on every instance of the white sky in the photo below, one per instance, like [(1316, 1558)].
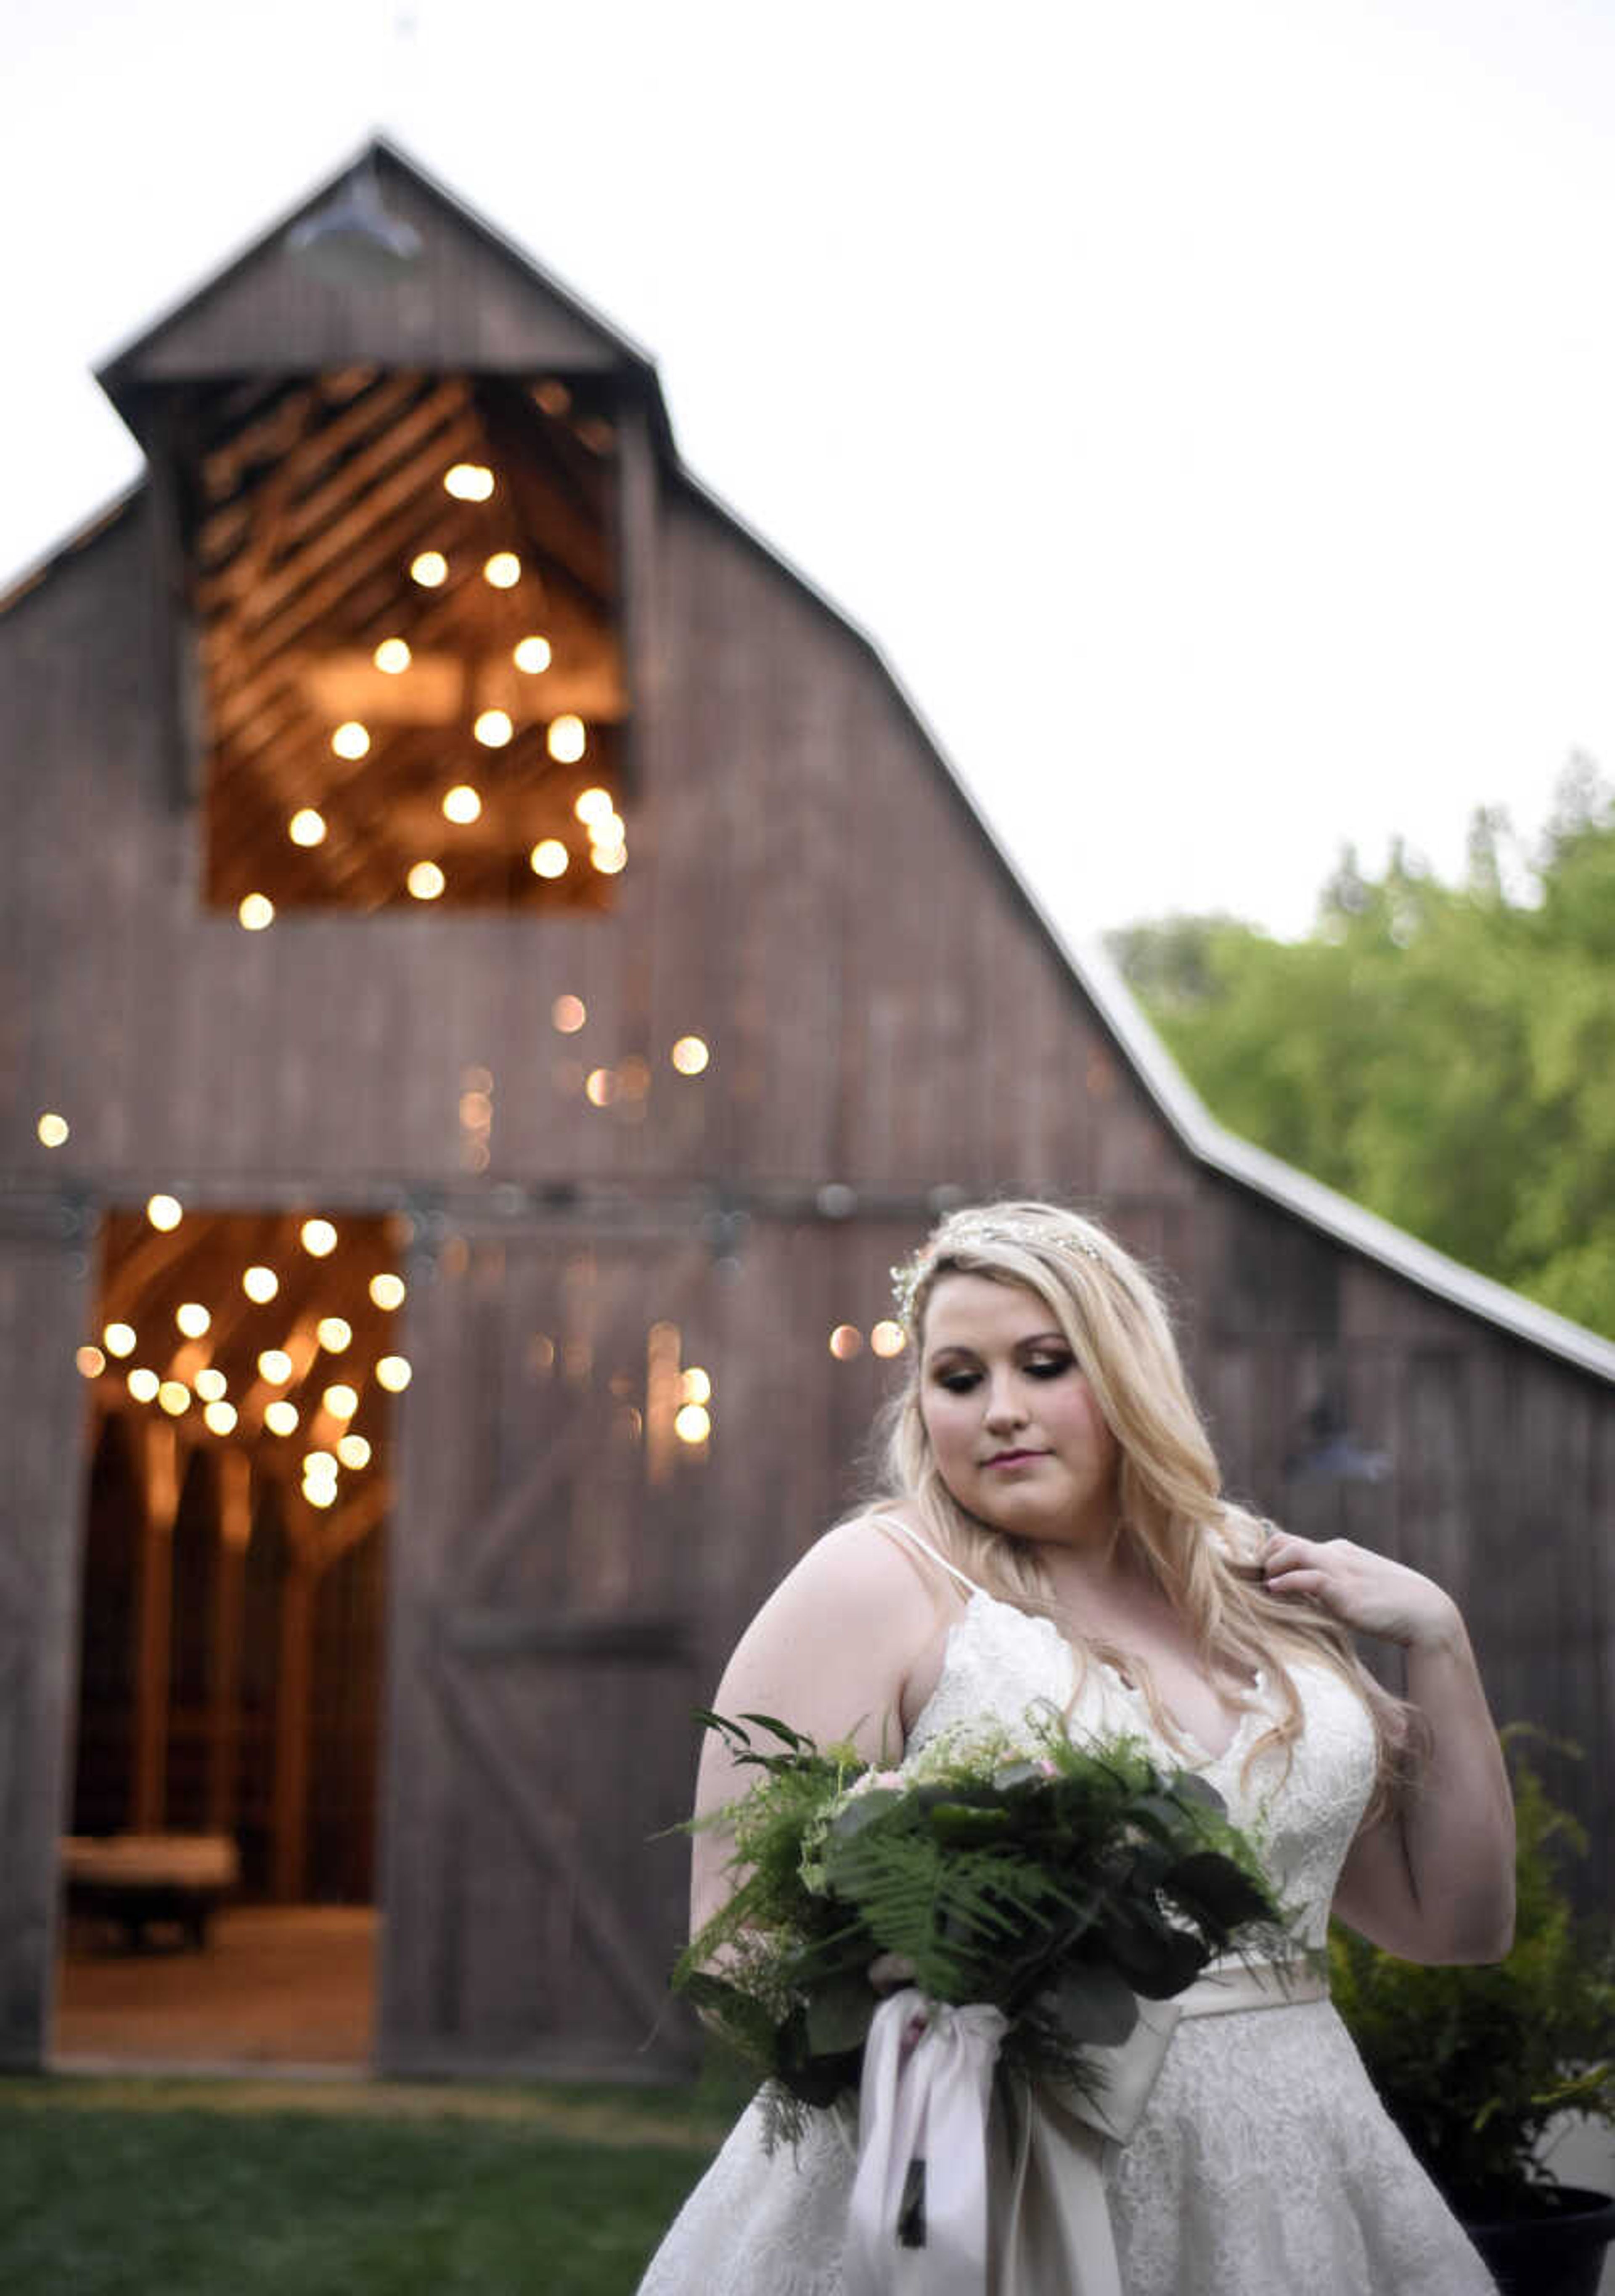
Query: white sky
[(1209, 405)]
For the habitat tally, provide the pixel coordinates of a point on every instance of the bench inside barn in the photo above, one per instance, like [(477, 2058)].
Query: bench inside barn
[(139, 1880)]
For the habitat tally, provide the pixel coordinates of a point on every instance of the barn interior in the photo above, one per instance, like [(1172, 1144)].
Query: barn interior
[(404, 592), (220, 1865)]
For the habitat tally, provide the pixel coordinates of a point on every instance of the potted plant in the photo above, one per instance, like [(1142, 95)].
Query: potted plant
[(1474, 2062)]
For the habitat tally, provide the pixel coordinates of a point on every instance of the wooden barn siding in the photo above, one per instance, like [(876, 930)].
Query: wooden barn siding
[(42, 1465)]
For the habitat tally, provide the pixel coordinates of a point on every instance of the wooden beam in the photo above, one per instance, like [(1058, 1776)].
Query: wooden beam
[(294, 1722), (234, 1487), (159, 1463)]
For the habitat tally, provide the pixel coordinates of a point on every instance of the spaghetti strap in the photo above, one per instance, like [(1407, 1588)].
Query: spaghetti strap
[(892, 1522)]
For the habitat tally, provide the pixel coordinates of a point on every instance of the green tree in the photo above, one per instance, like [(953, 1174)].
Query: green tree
[(1444, 1055)]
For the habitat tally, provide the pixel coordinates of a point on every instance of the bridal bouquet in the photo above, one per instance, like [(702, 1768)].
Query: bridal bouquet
[(1052, 1883)]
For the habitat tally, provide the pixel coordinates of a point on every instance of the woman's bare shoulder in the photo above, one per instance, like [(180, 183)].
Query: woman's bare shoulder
[(866, 1557)]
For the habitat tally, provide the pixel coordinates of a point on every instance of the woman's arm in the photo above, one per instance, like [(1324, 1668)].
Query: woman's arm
[(829, 1653), (1433, 1879)]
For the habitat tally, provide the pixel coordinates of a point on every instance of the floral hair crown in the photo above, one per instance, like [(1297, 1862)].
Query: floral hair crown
[(970, 1235)]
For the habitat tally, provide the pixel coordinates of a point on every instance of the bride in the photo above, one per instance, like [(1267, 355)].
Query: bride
[(1051, 1529)]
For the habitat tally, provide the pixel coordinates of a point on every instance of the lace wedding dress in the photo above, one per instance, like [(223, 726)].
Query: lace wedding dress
[(1265, 2165)]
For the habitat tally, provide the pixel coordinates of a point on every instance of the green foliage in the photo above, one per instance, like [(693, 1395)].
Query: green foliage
[(1443, 1055), (1474, 2062)]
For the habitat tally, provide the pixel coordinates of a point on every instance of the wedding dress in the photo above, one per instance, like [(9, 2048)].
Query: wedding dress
[(1264, 2165)]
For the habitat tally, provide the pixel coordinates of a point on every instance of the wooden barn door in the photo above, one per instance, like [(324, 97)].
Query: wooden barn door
[(542, 1667), (43, 1293)]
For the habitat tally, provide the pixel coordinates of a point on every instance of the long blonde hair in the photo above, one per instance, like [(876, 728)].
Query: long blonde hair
[(1200, 1549)]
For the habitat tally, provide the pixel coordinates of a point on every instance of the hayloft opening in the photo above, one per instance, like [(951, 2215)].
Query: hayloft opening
[(406, 595), (219, 1870)]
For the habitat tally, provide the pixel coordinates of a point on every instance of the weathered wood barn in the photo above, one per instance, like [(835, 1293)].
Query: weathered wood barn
[(494, 972)]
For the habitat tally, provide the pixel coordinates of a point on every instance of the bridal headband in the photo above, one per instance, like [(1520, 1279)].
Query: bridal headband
[(970, 1233)]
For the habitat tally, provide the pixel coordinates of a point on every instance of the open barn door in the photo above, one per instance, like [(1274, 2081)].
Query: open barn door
[(542, 1660), (44, 1286)]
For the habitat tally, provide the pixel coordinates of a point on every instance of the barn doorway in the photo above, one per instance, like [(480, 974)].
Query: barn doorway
[(219, 1868)]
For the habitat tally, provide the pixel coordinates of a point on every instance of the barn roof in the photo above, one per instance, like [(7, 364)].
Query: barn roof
[(519, 317)]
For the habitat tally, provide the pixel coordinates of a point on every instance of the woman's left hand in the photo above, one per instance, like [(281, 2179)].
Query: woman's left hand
[(1363, 1590)]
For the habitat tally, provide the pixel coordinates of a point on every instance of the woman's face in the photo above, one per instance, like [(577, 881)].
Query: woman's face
[(1018, 1437)]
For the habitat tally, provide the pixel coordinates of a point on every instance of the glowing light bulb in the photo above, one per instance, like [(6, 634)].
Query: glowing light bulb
[(468, 482), (340, 1400), (888, 1339), (590, 806), (164, 1213), (568, 1014), (845, 1341), (567, 739), (532, 655), (143, 1384), (493, 728), (426, 880), (353, 1451), (319, 1466), (211, 1384), (503, 570), (255, 912), (51, 1128), (260, 1283), (692, 1424), (90, 1361), (387, 1292), (429, 569), (318, 1238), (281, 1418), (192, 1319), (610, 860), (462, 803), (307, 827), (695, 1386), (393, 656), (333, 1334), (549, 858), (275, 1365), (689, 1056), (393, 1373), (320, 1495), (601, 1086), (219, 1417), (351, 740), (119, 1339), (174, 1396)]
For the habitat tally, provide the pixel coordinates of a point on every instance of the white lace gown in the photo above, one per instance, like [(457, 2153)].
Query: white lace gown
[(1265, 2164)]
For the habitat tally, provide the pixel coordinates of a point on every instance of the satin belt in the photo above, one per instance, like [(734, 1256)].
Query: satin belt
[(929, 2096)]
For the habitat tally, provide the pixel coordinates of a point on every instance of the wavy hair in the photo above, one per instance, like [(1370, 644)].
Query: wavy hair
[(1198, 1546)]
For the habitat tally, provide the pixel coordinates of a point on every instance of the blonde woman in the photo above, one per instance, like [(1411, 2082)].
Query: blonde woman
[(1053, 1529)]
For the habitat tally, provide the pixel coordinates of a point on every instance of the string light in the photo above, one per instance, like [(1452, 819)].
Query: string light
[(260, 1284), (549, 858), (503, 570), (468, 482), (90, 1361), (174, 1396), (255, 912), (51, 1128), (393, 1372), (429, 569), (119, 1339), (307, 827), (845, 1341), (689, 1056), (276, 1366), (590, 806), (281, 1418), (333, 1334), (610, 860), (393, 656), (219, 1417), (462, 804), (888, 1339), (164, 1213), (387, 1292), (692, 1423), (601, 1086), (353, 1451), (567, 738), (318, 1238), (532, 655), (493, 728), (143, 1384), (568, 1014), (695, 1386), (426, 880), (211, 1384), (351, 740), (341, 1400), (192, 1319)]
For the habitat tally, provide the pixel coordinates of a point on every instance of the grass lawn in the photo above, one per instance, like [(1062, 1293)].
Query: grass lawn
[(235, 2188)]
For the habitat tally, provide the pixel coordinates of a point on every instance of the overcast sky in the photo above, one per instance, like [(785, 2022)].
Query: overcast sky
[(1208, 405)]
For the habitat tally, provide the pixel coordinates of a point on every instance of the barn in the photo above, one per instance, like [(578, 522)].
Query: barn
[(497, 970)]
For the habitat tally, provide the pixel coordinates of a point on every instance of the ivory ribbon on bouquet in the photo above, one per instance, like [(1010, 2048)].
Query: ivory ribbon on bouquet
[(928, 2085)]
